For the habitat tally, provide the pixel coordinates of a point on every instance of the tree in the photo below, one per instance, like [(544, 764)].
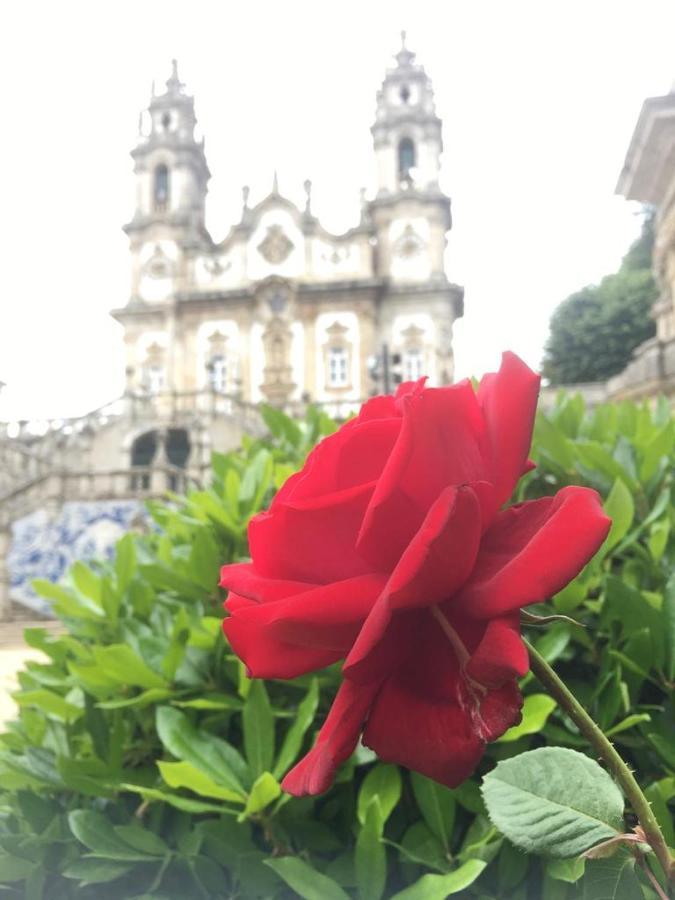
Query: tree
[(595, 330)]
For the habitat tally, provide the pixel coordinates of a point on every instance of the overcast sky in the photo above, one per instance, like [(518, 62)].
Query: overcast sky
[(538, 101)]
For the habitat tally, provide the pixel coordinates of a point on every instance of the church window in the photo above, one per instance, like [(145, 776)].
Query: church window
[(218, 373), (154, 379), (166, 121), (161, 189), (406, 158), (404, 93), (337, 367), (413, 364), (143, 452)]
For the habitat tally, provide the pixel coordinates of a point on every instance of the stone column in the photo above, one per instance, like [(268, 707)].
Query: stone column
[(5, 541)]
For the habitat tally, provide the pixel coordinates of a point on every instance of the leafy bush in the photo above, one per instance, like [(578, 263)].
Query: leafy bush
[(594, 331), (144, 763)]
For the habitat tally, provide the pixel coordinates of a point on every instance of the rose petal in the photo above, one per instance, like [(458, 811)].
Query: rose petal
[(508, 400), (416, 719), (501, 655), (440, 444), (435, 564), (265, 655), (311, 540), (532, 551), (329, 616), (336, 742), (243, 579)]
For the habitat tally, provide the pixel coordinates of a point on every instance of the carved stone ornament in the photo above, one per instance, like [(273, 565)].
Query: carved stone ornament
[(413, 336), (277, 375), (336, 255), (159, 265), (215, 266), (275, 247), (217, 342), (409, 244)]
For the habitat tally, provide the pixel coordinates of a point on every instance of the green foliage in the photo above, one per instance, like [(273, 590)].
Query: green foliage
[(595, 330), (145, 764)]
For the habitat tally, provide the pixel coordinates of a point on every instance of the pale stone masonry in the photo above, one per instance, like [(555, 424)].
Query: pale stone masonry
[(282, 309), (648, 176)]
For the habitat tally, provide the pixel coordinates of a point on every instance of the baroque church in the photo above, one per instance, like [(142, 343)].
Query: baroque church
[(281, 311)]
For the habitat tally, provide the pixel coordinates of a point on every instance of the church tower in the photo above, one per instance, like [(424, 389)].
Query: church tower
[(411, 217), (171, 185)]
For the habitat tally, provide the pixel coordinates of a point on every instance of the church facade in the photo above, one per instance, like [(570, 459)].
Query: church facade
[(282, 310)]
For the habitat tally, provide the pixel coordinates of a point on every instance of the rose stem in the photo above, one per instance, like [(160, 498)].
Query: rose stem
[(605, 749)]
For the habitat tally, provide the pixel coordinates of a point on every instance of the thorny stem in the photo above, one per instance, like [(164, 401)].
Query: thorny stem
[(605, 749)]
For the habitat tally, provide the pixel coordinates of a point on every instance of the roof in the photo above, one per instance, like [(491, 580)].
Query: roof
[(649, 168)]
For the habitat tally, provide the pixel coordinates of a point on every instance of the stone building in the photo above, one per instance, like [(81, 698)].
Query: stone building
[(648, 176), (281, 310)]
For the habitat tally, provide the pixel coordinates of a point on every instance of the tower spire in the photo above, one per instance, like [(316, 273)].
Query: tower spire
[(173, 83), (404, 57)]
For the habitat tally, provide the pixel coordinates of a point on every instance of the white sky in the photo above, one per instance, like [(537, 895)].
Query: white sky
[(538, 101)]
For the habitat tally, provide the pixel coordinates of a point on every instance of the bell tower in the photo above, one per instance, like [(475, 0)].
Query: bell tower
[(171, 184), (407, 131), (410, 212)]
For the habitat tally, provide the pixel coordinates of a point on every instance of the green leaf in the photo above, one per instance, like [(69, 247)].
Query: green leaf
[(185, 775), (265, 789), (205, 560), (125, 561), (186, 804), (258, 722), (568, 870), (95, 871), (293, 740), (94, 830), (141, 839), (145, 698), (66, 603), (384, 782), (668, 612), (437, 806), (306, 881), (536, 710), (119, 663), (419, 845), (51, 703), (612, 878), (14, 868), (86, 582), (370, 856), (438, 887), (213, 756), (658, 795), (620, 508), (554, 801), (628, 722)]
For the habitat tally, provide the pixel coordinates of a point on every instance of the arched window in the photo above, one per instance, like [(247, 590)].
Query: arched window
[(177, 452), (413, 364), (337, 367), (161, 188), (154, 378), (217, 369), (406, 158), (143, 451)]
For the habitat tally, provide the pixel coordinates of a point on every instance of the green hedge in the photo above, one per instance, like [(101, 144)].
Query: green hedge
[(144, 763)]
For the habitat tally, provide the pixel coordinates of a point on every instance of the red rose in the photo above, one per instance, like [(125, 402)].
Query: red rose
[(390, 550)]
